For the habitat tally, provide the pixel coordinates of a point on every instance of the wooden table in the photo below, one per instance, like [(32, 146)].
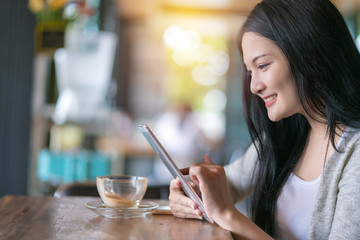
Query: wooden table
[(25, 217)]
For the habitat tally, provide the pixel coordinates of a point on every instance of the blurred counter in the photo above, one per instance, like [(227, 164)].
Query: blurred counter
[(125, 147)]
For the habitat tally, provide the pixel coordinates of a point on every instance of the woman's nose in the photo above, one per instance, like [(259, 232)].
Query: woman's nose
[(256, 86)]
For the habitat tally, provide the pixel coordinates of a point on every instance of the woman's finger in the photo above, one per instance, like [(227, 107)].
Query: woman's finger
[(181, 214), (177, 196), (185, 171), (181, 209), (206, 159)]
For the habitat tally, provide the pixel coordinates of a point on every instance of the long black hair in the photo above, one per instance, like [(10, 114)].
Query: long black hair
[(325, 65)]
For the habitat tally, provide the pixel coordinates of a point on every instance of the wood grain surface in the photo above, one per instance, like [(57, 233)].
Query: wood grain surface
[(25, 217)]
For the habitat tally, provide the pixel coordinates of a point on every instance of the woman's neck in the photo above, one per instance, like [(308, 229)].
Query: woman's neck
[(319, 129), (317, 150)]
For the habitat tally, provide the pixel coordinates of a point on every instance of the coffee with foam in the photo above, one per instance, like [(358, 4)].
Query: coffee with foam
[(121, 191)]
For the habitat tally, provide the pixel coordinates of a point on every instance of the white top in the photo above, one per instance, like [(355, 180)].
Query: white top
[(294, 207)]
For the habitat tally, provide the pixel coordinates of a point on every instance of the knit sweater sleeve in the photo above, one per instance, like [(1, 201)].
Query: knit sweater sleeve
[(345, 223), (337, 208), (240, 174)]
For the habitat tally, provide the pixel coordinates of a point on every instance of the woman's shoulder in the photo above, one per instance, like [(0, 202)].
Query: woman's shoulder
[(350, 140), (348, 156)]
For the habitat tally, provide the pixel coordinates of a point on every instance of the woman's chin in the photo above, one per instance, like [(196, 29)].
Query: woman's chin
[(274, 117)]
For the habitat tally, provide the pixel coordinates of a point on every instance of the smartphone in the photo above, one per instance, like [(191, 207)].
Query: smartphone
[(171, 166)]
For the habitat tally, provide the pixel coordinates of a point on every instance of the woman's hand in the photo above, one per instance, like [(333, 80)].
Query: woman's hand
[(180, 204), (212, 183), (210, 179)]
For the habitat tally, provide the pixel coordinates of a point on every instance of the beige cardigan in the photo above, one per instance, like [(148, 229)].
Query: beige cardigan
[(336, 213)]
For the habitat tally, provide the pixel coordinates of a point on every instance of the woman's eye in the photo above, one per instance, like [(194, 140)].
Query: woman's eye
[(262, 66)]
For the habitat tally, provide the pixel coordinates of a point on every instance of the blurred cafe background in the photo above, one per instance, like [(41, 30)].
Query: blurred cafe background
[(78, 76)]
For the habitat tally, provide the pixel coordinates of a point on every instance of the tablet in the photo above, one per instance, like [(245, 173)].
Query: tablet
[(174, 170)]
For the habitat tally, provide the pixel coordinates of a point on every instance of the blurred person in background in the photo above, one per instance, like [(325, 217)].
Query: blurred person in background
[(179, 132)]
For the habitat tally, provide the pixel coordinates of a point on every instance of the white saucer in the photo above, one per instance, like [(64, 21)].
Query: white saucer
[(145, 207)]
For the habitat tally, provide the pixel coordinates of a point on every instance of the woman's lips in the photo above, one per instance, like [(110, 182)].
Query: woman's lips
[(270, 100)]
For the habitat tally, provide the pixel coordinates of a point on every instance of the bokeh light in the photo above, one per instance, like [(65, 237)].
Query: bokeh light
[(215, 100), (219, 63), (176, 38), (204, 76)]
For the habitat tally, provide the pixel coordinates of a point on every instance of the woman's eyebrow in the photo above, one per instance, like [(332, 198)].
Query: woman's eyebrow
[(257, 57)]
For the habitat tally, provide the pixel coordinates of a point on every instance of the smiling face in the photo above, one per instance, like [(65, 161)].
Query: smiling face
[(270, 76)]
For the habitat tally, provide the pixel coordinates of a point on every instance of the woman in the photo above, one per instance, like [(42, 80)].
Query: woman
[(301, 94)]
